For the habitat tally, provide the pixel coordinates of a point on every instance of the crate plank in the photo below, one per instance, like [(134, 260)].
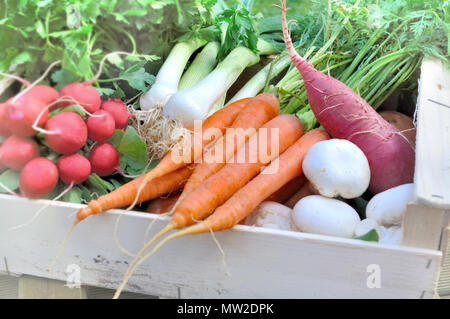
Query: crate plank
[(423, 226), (444, 278), (8, 287), (31, 287), (432, 171), (262, 263)]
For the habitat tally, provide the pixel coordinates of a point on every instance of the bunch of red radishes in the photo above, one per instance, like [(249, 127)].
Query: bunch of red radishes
[(66, 133)]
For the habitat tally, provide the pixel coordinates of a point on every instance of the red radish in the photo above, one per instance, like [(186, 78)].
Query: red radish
[(17, 151), (101, 126), (22, 112), (83, 94), (104, 159), (38, 177), (345, 115), (44, 93), (74, 168), (119, 111), (4, 130), (66, 132)]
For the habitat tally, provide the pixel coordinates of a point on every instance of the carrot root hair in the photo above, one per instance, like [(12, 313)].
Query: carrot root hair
[(163, 231), (116, 238), (187, 231), (222, 252), (63, 244), (169, 213)]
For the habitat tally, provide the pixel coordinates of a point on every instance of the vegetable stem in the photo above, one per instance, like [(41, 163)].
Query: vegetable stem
[(258, 81), (202, 65)]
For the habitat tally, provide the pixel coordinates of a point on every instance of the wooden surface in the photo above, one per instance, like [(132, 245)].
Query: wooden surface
[(9, 289), (444, 279), (262, 263), (9, 286), (30, 287), (432, 172), (423, 226)]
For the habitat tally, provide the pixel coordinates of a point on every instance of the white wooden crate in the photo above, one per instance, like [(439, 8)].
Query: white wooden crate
[(262, 263)]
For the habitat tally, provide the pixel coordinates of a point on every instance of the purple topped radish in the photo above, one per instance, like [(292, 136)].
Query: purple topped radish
[(345, 115)]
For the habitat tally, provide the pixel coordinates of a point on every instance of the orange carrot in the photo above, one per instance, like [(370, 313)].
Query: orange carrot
[(288, 190), (215, 190), (235, 174), (286, 167), (284, 130), (162, 204), (218, 120), (160, 186), (258, 111), (251, 195), (306, 190)]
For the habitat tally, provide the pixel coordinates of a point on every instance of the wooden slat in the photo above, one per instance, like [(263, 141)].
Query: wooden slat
[(8, 287), (262, 263), (444, 279), (423, 226), (432, 171), (43, 288)]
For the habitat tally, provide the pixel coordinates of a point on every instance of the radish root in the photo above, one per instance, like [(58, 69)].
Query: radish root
[(367, 132), (15, 77), (6, 188), (40, 210), (43, 76)]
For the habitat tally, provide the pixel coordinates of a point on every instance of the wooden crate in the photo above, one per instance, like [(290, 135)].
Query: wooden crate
[(258, 263)]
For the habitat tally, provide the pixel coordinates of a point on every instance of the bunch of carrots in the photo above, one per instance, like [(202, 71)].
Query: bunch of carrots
[(216, 195)]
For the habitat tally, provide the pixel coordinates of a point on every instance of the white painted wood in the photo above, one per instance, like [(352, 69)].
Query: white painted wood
[(31, 287), (444, 278), (432, 171), (8, 287), (423, 226), (263, 263)]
